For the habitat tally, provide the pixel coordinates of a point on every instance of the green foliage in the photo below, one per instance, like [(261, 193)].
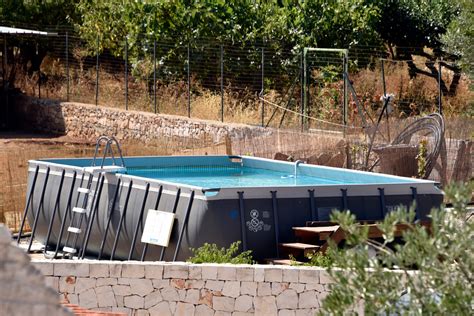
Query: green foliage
[(279, 26), (414, 23), (429, 273), (459, 39), (338, 23), (49, 15), (316, 259), (43, 13), (421, 157), (210, 253)]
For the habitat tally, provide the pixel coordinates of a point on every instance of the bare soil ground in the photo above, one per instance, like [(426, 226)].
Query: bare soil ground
[(16, 148)]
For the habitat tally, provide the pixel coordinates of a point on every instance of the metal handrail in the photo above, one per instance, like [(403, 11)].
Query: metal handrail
[(109, 141)]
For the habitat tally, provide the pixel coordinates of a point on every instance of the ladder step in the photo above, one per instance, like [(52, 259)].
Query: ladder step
[(83, 190), (69, 250), (74, 230), (79, 210)]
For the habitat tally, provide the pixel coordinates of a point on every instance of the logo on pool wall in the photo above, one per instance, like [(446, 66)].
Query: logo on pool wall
[(254, 224)]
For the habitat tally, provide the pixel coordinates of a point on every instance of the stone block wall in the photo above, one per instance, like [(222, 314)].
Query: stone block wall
[(22, 286), (88, 121), (159, 288)]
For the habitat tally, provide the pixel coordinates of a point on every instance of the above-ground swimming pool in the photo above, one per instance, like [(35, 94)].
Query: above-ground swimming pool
[(216, 199)]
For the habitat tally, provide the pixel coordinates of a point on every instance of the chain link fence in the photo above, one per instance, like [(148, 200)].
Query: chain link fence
[(253, 83)]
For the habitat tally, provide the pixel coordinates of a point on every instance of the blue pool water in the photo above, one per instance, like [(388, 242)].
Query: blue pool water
[(234, 177)]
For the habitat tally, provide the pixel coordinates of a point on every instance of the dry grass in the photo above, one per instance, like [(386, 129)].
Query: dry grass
[(16, 150), (413, 96), (15, 153)]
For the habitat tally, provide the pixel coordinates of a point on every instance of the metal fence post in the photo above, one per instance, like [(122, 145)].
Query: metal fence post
[(154, 76), (126, 73), (97, 74), (302, 89), (263, 86), (189, 81), (383, 77), (385, 93), (39, 75), (440, 92), (345, 90), (305, 88), (67, 66), (222, 83)]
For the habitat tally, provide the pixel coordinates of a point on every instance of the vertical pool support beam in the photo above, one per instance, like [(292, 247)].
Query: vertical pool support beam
[(243, 232), (94, 210), (122, 217), (184, 226), (414, 196), (139, 222), (109, 218), (175, 207), (40, 205), (312, 205), (55, 209), (382, 202), (276, 222), (27, 206), (65, 216), (344, 199), (157, 203)]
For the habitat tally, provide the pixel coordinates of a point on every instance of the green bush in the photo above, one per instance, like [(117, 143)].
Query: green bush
[(316, 259), (433, 268), (210, 253)]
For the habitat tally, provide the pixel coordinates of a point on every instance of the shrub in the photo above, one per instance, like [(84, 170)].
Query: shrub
[(210, 253), (432, 269), (316, 259)]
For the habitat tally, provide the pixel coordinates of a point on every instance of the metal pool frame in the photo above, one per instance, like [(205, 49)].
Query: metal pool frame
[(99, 212)]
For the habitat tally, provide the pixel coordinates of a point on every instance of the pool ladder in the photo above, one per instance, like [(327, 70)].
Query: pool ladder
[(109, 141), (88, 197)]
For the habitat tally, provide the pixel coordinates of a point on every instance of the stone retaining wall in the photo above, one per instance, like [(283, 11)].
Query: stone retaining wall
[(89, 121), (22, 287), (159, 288)]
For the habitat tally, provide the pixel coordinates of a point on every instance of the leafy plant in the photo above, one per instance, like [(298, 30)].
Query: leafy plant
[(316, 259), (211, 253), (421, 157), (430, 273)]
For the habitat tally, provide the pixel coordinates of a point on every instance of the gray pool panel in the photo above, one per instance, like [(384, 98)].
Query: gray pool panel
[(260, 216)]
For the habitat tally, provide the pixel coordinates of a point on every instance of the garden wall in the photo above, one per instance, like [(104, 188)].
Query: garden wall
[(88, 121), (159, 288)]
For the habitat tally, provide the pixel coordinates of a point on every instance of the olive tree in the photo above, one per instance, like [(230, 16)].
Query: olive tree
[(430, 272)]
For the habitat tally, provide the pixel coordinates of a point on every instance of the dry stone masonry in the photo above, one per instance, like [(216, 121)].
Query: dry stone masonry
[(160, 288), (22, 286), (89, 121)]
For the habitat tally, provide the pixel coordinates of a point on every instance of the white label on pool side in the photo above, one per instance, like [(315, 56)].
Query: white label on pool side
[(158, 226)]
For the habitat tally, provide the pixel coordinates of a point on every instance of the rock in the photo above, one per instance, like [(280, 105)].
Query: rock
[(231, 289), (243, 303), (281, 156), (134, 301), (287, 299), (308, 300), (221, 303), (160, 309), (265, 305), (184, 309), (336, 161), (273, 275)]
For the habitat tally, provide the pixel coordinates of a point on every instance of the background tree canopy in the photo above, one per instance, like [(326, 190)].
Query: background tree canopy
[(404, 27)]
